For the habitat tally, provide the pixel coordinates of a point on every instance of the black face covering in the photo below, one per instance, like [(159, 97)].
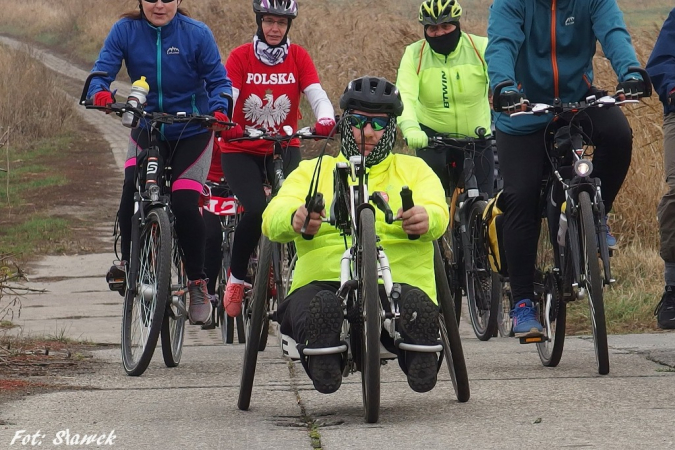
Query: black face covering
[(445, 44)]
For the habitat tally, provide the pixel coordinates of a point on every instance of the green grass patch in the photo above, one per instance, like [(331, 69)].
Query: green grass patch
[(36, 235)]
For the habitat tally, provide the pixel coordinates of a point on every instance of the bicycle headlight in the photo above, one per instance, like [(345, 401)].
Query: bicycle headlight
[(583, 167)]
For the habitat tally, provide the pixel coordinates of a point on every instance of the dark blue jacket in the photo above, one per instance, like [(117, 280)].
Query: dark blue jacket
[(180, 61), (546, 47), (661, 64)]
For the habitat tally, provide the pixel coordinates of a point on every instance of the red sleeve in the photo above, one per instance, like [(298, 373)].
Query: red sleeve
[(235, 66), (306, 70)]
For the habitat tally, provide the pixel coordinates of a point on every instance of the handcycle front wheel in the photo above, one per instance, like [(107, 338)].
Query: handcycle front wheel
[(369, 299), (173, 327), (483, 287), (255, 317), (449, 330), (147, 291), (593, 282)]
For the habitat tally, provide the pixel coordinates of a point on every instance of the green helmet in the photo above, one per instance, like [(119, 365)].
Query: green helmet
[(434, 12)]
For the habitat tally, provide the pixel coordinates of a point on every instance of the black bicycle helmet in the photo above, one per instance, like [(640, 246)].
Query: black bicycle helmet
[(284, 8), (372, 95)]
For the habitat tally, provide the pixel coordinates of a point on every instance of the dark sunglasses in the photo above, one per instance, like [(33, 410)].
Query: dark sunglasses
[(155, 1), (360, 121)]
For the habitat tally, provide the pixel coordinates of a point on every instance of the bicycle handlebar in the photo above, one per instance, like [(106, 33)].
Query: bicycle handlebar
[(407, 203), (460, 141), (254, 134)]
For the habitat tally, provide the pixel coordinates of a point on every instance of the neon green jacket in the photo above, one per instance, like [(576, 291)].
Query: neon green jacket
[(447, 94), (411, 262)]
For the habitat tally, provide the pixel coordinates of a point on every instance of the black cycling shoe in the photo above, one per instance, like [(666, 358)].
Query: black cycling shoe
[(117, 277), (665, 310), (419, 325), (323, 325)]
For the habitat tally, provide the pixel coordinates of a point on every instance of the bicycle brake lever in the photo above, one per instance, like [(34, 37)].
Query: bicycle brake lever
[(407, 203), (382, 205), (314, 204)]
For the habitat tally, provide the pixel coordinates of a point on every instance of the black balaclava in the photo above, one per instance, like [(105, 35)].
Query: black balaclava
[(445, 44), (261, 35)]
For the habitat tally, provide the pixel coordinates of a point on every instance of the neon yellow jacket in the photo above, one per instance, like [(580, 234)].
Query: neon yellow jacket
[(411, 262), (447, 94)]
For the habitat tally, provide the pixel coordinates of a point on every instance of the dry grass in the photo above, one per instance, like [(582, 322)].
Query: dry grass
[(352, 38)]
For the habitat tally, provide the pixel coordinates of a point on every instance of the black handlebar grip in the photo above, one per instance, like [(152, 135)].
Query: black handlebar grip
[(406, 204), (315, 204)]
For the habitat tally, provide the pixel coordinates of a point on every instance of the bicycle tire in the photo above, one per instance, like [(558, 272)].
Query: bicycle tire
[(453, 268), (254, 316), (482, 286), (593, 281), (173, 327), (550, 350), (504, 322), (149, 275), (226, 322), (449, 331), (372, 325)]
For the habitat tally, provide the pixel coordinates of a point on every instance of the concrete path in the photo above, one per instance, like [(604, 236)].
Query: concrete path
[(515, 402)]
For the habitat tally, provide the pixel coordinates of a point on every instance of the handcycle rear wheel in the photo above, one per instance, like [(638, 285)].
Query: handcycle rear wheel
[(372, 325), (483, 287), (593, 282), (255, 316), (449, 330), (147, 291), (173, 327)]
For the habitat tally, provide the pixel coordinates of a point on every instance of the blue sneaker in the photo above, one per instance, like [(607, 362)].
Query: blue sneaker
[(611, 240), (525, 323)]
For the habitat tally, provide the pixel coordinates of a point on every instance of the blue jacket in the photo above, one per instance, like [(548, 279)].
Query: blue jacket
[(661, 64), (180, 61), (546, 47)]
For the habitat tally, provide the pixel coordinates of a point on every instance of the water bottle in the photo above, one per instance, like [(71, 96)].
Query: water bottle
[(137, 98), (562, 225)]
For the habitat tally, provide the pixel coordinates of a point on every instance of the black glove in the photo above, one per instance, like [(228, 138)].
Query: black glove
[(671, 98), (632, 88), (512, 101)]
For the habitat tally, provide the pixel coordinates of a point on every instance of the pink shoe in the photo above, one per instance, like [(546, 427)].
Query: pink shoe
[(234, 293)]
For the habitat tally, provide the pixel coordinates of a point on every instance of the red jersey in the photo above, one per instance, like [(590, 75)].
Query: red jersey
[(269, 96), (216, 169)]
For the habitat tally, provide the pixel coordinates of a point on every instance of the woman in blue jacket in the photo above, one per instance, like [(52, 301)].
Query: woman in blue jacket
[(661, 69), (546, 48), (180, 59)]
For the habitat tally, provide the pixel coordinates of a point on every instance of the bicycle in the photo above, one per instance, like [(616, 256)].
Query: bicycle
[(464, 244), (156, 283), (362, 264), (569, 260)]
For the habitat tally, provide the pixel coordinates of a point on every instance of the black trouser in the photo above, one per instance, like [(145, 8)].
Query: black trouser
[(523, 164), (189, 225), (244, 173), (447, 164)]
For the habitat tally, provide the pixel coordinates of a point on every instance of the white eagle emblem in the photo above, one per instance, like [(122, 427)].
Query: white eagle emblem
[(268, 115)]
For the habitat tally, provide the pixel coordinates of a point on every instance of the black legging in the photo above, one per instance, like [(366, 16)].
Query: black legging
[(184, 203), (439, 159), (244, 172), (522, 164)]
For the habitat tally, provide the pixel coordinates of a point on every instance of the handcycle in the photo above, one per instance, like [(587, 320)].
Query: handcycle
[(464, 244), (156, 283), (573, 259), (363, 263)]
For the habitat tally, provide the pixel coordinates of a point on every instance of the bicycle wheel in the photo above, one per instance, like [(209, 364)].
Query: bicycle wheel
[(173, 327), (551, 307), (593, 282), (255, 313), (147, 292), (370, 302), (449, 330), (483, 288), (454, 268), (504, 322), (226, 322)]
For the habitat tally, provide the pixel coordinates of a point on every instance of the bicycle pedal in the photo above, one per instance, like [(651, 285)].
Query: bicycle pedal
[(116, 285), (532, 339), (209, 326)]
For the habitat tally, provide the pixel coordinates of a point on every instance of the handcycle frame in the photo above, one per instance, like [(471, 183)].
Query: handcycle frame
[(464, 244), (569, 272), (352, 213), (156, 276)]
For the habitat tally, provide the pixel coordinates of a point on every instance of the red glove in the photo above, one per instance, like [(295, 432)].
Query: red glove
[(103, 98), (324, 127), (232, 133)]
